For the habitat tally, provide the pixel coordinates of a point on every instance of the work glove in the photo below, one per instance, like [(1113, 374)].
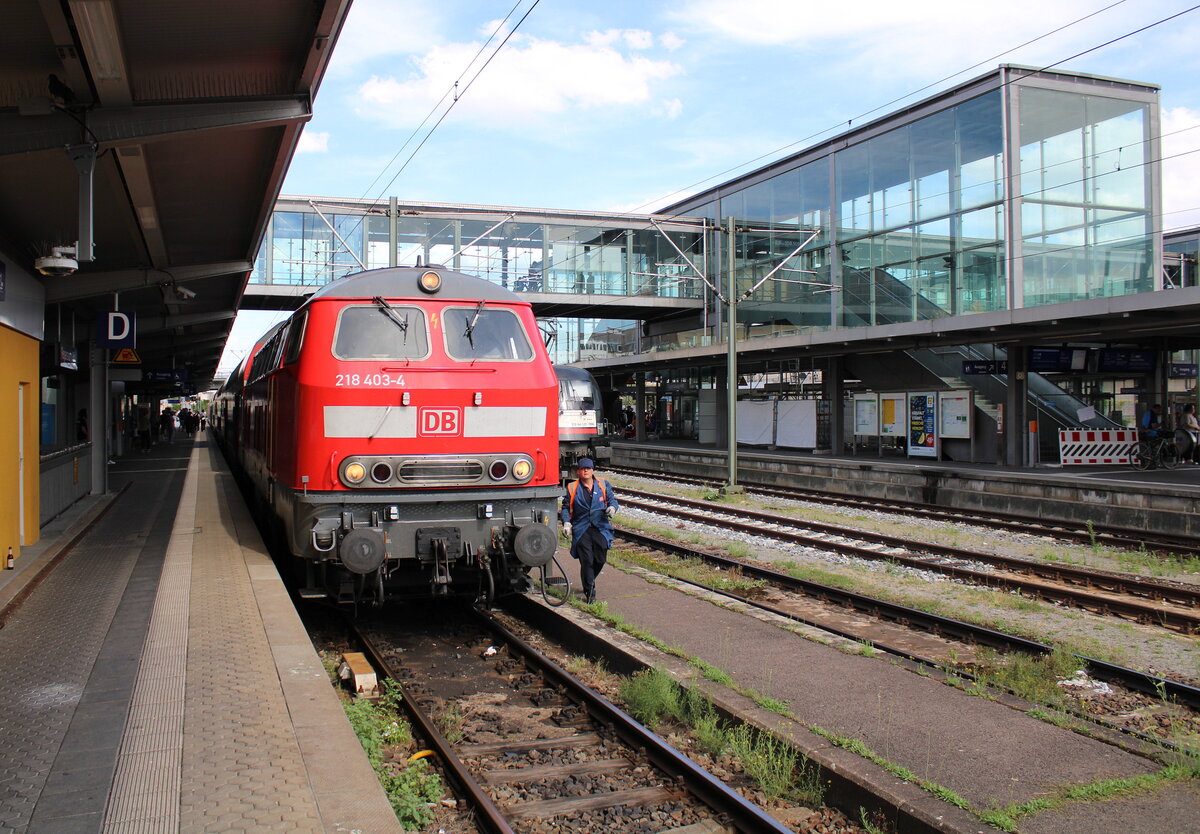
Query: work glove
[(566, 528), (610, 511)]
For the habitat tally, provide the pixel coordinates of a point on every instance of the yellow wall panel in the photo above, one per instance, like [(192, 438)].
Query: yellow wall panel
[(18, 372)]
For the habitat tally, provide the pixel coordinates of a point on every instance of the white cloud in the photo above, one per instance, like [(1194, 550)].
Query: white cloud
[(670, 108), (528, 79), (381, 28), (670, 41), (1181, 167), (313, 142), (882, 41), (788, 22)]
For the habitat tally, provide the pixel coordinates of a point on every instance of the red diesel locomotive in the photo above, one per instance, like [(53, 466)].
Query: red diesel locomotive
[(401, 431)]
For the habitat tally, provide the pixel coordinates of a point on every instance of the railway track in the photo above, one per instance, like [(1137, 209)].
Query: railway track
[(1147, 684), (1109, 536), (1169, 605), (536, 747)]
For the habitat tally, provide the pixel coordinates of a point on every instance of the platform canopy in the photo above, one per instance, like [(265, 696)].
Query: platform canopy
[(189, 114)]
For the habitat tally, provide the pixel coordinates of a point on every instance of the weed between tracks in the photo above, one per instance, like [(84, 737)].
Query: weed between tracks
[(411, 785), (779, 770)]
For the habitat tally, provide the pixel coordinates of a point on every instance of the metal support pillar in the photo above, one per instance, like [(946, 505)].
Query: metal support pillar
[(835, 392), (1016, 426), (98, 418), (639, 407), (393, 239), (731, 377)]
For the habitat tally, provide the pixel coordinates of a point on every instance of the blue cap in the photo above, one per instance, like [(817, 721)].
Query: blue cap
[(585, 463)]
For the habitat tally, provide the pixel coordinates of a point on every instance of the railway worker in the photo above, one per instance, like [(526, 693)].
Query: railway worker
[(586, 511)]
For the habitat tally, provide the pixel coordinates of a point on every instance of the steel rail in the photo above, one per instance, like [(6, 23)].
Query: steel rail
[(920, 555), (724, 801), (935, 623), (489, 816), (1111, 536)]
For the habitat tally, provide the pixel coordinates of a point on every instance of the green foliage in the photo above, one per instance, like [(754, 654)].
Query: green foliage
[(1032, 678), (450, 723), (651, 695), (411, 786), (711, 734), (769, 761)]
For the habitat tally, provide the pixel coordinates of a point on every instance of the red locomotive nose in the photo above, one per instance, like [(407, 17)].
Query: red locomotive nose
[(402, 427)]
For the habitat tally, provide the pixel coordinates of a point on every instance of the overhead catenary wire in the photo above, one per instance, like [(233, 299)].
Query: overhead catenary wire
[(921, 89)]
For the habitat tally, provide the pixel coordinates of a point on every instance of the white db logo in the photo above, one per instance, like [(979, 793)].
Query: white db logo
[(440, 421)]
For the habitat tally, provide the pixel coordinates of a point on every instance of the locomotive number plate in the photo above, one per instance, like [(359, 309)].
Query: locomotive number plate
[(369, 381)]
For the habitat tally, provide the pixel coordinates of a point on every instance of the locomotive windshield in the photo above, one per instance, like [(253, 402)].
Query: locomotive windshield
[(381, 331), (482, 333), (575, 394)]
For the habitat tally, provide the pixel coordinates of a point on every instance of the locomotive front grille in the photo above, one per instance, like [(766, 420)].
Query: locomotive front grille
[(434, 472)]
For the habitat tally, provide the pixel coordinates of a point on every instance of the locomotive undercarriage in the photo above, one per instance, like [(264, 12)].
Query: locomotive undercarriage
[(477, 544)]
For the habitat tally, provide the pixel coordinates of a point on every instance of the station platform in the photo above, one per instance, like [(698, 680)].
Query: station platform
[(158, 676), (986, 751), (1186, 476), (1108, 496)]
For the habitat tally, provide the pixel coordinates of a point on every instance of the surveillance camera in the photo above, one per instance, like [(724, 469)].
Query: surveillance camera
[(56, 265), (184, 293)]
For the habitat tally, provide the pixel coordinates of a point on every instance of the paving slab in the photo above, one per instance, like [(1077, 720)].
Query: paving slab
[(167, 682)]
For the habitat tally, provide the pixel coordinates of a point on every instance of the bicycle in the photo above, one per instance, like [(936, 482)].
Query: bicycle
[(1154, 452)]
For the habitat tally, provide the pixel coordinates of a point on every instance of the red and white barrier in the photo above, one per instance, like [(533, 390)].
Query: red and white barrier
[(1096, 446)]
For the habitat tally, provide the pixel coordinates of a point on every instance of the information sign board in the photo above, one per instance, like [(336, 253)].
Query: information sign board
[(975, 367), (955, 408), (866, 414), (922, 424), (893, 421)]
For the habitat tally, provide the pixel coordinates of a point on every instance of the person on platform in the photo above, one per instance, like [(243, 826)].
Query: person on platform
[(1192, 426), (586, 510), (1152, 421)]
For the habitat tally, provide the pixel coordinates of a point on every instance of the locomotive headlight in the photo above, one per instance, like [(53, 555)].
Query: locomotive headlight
[(381, 472), (354, 473), (429, 282), (498, 470), (522, 469)]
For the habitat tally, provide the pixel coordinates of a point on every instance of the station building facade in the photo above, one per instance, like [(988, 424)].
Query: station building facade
[(1018, 191)]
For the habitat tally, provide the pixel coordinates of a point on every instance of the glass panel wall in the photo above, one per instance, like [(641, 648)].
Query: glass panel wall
[(783, 278), (524, 256), (302, 249), (1086, 215), (920, 222), (579, 340)]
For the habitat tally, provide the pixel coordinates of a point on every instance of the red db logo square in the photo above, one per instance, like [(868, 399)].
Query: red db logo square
[(439, 421)]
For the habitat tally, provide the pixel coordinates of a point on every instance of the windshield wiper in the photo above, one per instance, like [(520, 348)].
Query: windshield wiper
[(390, 312), (470, 332)]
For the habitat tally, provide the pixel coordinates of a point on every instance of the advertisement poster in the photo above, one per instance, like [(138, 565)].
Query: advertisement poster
[(955, 408), (922, 425), (866, 414), (892, 419)]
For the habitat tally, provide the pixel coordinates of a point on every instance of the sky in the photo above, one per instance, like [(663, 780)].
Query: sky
[(629, 105)]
